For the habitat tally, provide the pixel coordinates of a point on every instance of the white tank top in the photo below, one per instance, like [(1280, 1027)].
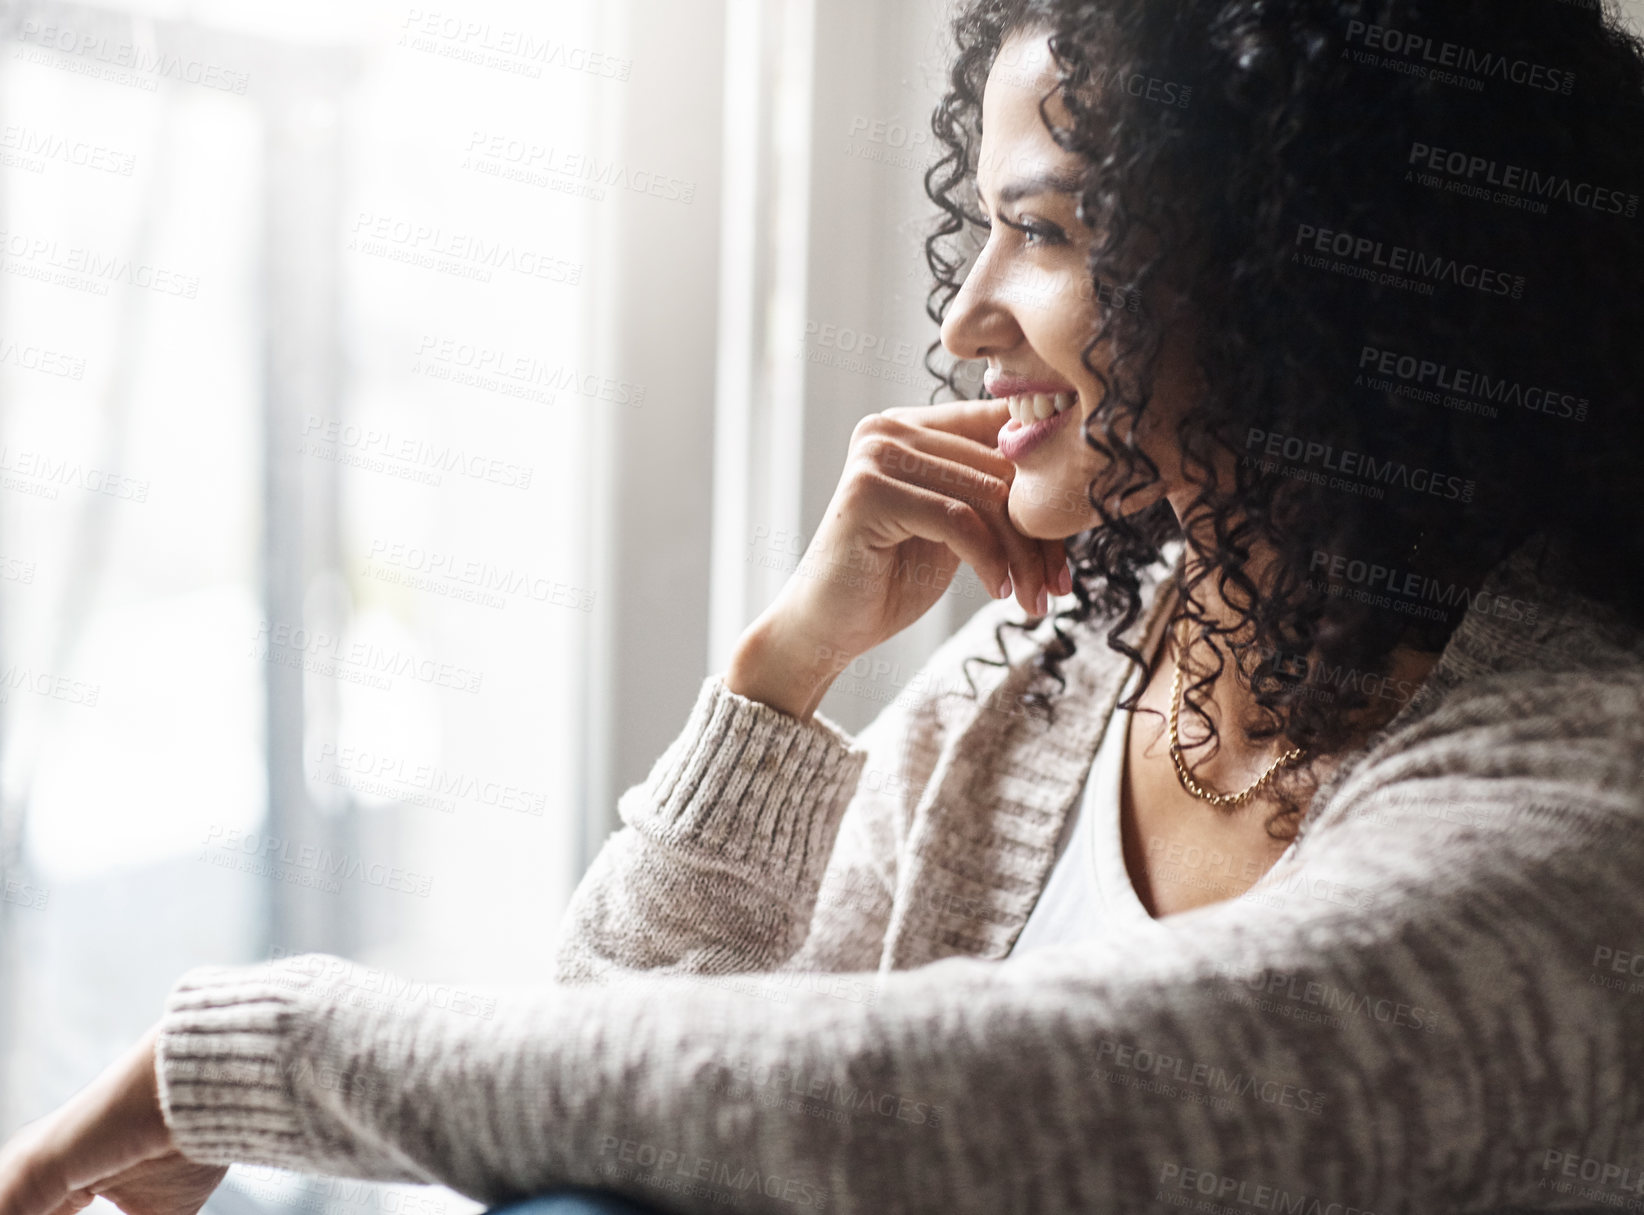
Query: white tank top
[(1089, 892)]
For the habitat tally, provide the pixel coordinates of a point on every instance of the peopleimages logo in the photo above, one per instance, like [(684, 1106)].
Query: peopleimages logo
[(1346, 462), (1128, 1057), (99, 50), (1314, 243), (1410, 586), (479, 42), (1427, 374), (541, 164), (1616, 1179), (1464, 169), (33, 147), (1332, 999), (304, 864), (1421, 49), (1219, 1192), (86, 269), (466, 254), (1166, 92)]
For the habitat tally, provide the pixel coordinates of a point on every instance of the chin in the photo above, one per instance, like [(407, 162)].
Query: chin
[(1045, 509)]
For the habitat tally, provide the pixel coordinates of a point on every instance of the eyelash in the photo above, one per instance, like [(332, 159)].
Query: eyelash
[(1048, 234)]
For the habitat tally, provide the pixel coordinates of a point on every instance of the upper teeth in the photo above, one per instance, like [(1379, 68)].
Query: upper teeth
[(1031, 407)]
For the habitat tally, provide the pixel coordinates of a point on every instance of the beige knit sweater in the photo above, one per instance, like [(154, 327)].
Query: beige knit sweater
[(781, 986)]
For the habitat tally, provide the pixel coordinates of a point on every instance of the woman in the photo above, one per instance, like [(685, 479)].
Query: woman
[(1350, 515)]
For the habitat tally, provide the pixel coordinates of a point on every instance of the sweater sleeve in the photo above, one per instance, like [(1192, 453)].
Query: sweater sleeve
[(761, 843), (722, 847), (1416, 1012)]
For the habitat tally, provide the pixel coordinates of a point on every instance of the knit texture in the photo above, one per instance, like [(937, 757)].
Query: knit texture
[(780, 985)]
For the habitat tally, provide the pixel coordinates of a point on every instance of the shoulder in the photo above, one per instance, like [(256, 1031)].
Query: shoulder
[(1534, 760), (1585, 725), (1541, 704)]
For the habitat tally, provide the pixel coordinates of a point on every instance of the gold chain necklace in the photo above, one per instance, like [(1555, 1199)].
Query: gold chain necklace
[(1182, 774)]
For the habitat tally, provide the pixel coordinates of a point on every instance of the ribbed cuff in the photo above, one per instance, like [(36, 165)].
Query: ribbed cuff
[(750, 783), (222, 1063)]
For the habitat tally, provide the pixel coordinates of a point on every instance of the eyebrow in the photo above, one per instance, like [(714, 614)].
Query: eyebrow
[(1050, 181)]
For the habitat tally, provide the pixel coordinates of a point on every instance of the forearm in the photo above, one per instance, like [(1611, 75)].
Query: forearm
[(951, 1090), (1086, 1077), (772, 665)]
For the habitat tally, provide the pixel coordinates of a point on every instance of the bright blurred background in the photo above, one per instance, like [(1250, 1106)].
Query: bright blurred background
[(402, 409)]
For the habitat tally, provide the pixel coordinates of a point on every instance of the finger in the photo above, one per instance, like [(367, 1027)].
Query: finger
[(985, 456), (988, 495), (75, 1202), (1053, 571), (944, 519), (979, 421), (1058, 571), (945, 471)]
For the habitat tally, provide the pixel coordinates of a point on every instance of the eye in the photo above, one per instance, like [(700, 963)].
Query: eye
[(1039, 234)]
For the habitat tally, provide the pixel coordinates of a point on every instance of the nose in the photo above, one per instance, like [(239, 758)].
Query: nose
[(979, 321)]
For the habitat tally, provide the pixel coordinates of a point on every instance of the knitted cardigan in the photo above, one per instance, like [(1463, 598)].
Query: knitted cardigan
[(781, 985)]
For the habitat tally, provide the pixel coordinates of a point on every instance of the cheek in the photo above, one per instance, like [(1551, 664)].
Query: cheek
[(1048, 499), (1059, 327)]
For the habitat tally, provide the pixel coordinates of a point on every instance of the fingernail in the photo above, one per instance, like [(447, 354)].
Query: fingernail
[(1064, 580), (1004, 589), (1043, 603)]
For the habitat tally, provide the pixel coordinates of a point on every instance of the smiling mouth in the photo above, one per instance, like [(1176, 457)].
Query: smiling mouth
[(1030, 407), (1017, 439)]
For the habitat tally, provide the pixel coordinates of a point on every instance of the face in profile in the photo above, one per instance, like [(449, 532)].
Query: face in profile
[(1029, 306)]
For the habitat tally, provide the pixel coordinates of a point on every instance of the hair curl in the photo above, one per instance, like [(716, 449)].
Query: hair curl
[(1293, 120)]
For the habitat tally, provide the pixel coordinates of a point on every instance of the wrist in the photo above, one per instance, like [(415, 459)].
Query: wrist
[(774, 667), (149, 1121)]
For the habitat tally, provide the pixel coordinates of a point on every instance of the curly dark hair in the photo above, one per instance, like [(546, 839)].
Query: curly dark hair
[(1408, 237)]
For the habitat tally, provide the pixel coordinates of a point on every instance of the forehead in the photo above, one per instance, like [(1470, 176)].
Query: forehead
[(1015, 141)]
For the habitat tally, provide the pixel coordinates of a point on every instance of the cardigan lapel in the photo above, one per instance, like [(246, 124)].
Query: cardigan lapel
[(982, 842), (983, 837)]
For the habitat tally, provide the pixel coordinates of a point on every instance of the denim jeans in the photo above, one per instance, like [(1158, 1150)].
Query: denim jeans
[(574, 1200)]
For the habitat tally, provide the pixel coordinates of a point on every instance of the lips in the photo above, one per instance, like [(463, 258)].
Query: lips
[(1018, 437)]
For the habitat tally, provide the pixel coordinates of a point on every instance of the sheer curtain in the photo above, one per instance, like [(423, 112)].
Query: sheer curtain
[(299, 409)]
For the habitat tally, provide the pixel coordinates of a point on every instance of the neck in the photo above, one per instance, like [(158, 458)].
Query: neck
[(1207, 634)]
